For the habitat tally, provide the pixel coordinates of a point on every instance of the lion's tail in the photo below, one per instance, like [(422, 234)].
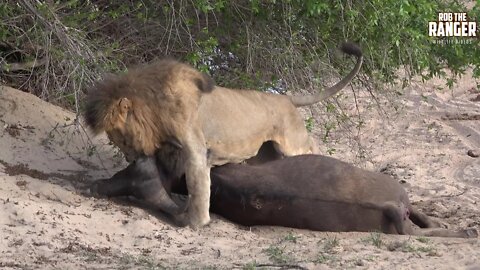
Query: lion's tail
[(348, 48)]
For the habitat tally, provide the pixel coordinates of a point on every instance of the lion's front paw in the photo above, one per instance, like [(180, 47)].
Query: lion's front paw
[(197, 219)]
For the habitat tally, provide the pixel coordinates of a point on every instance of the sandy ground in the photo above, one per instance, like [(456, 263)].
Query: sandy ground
[(421, 139)]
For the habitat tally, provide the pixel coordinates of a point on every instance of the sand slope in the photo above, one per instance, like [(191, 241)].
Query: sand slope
[(46, 222)]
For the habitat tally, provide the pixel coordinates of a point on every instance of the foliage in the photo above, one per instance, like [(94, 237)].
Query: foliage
[(56, 49), (277, 254)]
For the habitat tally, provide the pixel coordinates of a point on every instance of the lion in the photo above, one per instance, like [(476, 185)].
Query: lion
[(169, 101)]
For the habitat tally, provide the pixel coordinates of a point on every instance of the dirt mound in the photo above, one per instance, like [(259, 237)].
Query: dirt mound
[(46, 222)]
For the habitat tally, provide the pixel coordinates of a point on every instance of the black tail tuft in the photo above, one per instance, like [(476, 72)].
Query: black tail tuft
[(351, 48)]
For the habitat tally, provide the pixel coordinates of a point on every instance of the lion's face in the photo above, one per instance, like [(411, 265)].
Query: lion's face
[(128, 133), (119, 131), (124, 142)]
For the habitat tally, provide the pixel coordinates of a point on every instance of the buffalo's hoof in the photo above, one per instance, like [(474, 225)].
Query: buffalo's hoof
[(181, 220), (470, 233)]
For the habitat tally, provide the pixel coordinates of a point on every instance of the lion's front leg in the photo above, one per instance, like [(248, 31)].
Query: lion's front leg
[(197, 174)]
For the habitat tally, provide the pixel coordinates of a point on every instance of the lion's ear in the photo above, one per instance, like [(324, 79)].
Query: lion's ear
[(204, 83), (124, 107)]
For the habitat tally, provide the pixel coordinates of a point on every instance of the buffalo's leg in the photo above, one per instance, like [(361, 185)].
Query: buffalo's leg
[(397, 213), (422, 220), (149, 187), (143, 180), (429, 227), (440, 232)]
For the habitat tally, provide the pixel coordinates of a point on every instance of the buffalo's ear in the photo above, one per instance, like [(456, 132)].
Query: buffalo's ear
[(124, 107)]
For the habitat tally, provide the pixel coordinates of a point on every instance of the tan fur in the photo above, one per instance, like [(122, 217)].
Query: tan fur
[(168, 100), (145, 106)]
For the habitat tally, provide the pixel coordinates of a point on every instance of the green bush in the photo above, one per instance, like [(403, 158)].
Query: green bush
[(56, 49)]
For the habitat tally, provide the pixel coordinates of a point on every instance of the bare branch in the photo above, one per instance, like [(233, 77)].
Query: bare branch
[(26, 66)]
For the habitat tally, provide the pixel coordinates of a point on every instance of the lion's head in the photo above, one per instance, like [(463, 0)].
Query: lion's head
[(145, 106), (130, 126)]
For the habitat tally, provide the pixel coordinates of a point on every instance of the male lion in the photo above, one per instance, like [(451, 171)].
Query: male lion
[(168, 101)]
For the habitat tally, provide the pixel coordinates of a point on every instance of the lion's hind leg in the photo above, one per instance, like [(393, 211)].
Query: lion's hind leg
[(295, 140), (314, 147), (286, 148)]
